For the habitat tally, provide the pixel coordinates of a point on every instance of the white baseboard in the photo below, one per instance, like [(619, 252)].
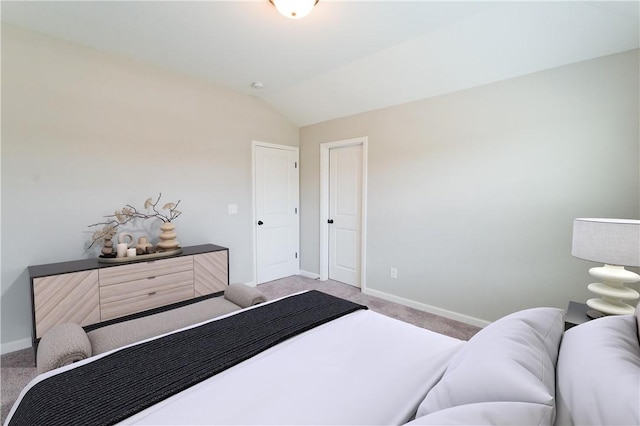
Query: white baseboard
[(308, 274), (16, 345), (427, 308)]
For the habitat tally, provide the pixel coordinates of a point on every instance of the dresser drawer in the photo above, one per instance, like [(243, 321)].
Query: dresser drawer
[(144, 301), (145, 286), (143, 270)]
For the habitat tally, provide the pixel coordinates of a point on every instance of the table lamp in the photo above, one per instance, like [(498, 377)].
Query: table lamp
[(616, 243)]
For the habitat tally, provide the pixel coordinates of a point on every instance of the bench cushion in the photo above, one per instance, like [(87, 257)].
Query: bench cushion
[(63, 344), (67, 343), (123, 333)]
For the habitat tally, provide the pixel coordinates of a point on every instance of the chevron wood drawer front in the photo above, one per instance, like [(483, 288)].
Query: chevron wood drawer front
[(144, 270), (161, 296), (65, 298), (211, 272)]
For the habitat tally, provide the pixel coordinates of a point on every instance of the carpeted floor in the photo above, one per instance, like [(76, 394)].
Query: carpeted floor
[(18, 368)]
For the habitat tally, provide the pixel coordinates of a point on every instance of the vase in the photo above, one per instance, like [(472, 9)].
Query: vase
[(107, 247), (168, 237)]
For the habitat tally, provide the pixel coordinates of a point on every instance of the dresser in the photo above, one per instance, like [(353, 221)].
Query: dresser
[(88, 293)]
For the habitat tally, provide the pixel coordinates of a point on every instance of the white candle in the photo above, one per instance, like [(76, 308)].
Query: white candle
[(131, 252), (121, 250)]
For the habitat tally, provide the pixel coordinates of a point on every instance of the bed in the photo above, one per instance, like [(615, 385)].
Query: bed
[(360, 367)]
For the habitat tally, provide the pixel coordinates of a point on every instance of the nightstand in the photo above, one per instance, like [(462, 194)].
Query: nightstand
[(576, 315)]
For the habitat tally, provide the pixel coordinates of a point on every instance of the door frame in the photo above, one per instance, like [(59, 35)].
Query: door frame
[(296, 150), (324, 206)]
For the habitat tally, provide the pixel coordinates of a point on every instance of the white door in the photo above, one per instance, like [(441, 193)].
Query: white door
[(345, 212), (276, 212)]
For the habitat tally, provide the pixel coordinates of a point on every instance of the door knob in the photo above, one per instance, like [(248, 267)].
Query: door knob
[(260, 222), (330, 221)]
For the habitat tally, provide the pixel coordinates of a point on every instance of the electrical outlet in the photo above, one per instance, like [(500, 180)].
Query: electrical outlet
[(393, 273)]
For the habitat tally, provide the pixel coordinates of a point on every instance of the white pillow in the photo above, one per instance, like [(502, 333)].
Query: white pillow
[(490, 413), (599, 373), (512, 359), (638, 319)]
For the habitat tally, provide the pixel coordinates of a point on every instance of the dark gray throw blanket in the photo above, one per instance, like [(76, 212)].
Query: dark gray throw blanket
[(126, 382)]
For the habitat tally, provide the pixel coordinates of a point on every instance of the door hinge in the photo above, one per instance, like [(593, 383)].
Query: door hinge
[(295, 164), (295, 210), (296, 255)]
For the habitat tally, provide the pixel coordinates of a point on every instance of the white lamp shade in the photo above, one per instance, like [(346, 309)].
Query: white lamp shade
[(294, 9), (609, 241)]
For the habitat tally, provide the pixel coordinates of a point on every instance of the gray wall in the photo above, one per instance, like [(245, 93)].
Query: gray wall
[(471, 195), (84, 133)]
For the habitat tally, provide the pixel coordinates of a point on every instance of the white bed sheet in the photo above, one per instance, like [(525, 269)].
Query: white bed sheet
[(364, 368)]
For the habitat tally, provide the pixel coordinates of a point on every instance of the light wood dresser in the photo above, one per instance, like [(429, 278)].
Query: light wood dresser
[(88, 293)]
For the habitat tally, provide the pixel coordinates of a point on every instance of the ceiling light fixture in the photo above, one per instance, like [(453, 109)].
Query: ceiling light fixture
[(294, 9)]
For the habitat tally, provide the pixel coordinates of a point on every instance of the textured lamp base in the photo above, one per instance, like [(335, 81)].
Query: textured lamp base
[(612, 290), (609, 308)]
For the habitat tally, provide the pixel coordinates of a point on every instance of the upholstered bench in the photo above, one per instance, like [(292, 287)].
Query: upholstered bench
[(67, 343)]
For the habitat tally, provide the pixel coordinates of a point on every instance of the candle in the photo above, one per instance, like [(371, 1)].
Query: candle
[(131, 252), (121, 250)]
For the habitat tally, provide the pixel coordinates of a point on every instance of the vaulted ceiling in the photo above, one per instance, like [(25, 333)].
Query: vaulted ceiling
[(346, 57)]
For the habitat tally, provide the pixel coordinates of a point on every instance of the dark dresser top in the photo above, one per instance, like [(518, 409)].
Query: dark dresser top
[(37, 271)]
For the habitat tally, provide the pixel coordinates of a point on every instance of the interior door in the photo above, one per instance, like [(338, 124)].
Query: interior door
[(276, 212), (345, 207)]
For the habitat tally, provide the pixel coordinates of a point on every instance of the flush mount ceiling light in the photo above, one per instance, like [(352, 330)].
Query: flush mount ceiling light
[(294, 9)]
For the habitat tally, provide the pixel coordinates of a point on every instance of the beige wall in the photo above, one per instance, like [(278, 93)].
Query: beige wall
[(84, 133), (471, 195)]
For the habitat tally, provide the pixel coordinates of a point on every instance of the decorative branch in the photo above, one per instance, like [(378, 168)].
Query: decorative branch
[(129, 213), (107, 232), (173, 213)]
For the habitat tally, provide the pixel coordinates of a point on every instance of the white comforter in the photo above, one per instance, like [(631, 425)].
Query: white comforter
[(364, 368)]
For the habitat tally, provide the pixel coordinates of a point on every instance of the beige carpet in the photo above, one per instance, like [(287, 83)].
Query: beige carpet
[(422, 319), (18, 368)]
